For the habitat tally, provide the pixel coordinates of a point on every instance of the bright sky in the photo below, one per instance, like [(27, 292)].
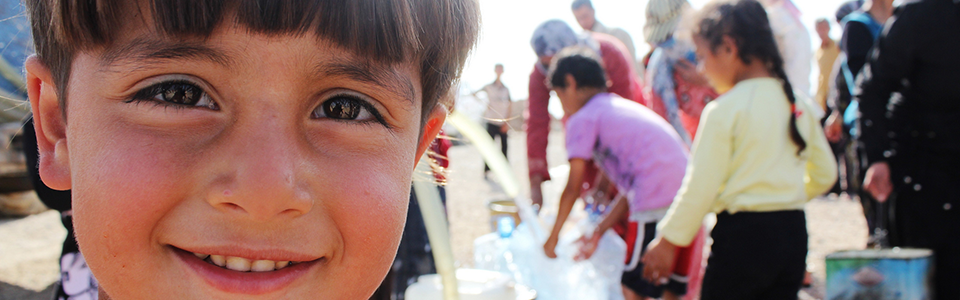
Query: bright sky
[(509, 24)]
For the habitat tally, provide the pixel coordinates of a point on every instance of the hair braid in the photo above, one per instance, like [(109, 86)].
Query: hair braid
[(788, 90)]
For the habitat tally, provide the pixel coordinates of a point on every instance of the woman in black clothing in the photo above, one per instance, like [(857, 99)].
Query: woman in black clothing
[(913, 142)]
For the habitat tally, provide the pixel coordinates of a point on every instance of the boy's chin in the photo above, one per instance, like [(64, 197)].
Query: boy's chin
[(193, 278)]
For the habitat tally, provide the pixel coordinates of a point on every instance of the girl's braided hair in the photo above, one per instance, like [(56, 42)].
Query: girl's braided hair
[(745, 21)]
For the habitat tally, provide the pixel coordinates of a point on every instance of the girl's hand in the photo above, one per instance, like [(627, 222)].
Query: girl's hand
[(550, 247), (588, 245), (833, 128), (658, 262)]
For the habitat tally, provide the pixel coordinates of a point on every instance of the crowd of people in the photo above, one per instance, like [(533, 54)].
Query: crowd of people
[(745, 138)]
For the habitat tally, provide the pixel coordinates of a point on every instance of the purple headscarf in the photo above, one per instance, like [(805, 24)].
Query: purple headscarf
[(554, 35)]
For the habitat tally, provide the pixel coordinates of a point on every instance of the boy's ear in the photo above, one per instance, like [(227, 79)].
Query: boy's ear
[(432, 127), (570, 81), (50, 125)]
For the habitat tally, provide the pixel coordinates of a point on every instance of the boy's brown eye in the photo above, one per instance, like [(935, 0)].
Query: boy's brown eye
[(182, 94), (179, 93), (342, 108), (347, 108)]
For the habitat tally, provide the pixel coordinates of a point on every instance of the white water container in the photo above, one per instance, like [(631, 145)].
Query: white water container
[(473, 285)]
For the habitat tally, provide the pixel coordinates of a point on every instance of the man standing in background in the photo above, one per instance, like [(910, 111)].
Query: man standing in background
[(587, 18), (826, 56), (498, 113)]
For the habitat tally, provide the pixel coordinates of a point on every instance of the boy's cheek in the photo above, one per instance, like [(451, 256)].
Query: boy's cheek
[(127, 183)]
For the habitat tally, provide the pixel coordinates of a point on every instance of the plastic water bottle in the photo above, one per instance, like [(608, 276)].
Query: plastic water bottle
[(505, 226)]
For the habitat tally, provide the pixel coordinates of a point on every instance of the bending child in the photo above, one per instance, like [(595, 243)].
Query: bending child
[(241, 149), (759, 156), (633, 146)]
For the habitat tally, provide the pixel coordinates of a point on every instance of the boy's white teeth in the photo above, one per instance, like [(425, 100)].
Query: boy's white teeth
[(238, 263), (242, 264), (263, 265), (218, 260)]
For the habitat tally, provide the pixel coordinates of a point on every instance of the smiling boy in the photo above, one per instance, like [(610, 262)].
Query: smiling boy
[(238, 149)]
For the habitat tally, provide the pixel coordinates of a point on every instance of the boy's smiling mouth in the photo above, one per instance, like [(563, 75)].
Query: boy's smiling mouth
[(247, 271), (244, 264)]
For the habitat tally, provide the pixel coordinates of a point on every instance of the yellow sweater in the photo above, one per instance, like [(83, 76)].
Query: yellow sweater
[(744, 159)]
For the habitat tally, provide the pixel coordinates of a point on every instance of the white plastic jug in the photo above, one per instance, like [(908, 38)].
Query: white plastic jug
[(473, 285)]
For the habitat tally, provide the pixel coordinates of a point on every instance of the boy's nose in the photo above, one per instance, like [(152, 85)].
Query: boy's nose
[(265, 177)]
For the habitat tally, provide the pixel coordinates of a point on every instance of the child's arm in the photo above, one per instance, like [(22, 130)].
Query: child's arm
[(707, 171), (821, 164), (619, 210), (567, 199)]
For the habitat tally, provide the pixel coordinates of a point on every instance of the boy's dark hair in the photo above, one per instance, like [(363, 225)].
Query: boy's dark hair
[(438, 35), (580, 3), (745, 21), (581, 62)]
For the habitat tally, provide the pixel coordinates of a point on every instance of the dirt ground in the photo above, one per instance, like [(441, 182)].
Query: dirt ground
[(30, 246)]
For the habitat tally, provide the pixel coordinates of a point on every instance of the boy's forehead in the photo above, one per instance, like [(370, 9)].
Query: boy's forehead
[(327, 59)]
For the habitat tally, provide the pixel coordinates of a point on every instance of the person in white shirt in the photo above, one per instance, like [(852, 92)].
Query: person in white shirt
[(794, 41), (499, 110)]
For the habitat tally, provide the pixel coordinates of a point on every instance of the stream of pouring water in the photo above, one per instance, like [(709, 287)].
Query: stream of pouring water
[(432, 209)]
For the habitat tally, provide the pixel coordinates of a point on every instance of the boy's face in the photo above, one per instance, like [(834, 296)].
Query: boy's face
[(260, 149), (569, 98)]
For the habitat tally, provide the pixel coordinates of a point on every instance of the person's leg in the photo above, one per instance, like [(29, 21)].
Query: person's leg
[(793, 256), (633, 279), (854, 175), (686, 268), (503, 144), (668, 295), (493, 130), (750, 253), (629, 294), (730, 275)]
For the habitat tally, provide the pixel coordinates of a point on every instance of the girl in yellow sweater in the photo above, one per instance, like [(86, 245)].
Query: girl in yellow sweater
[(760, 155)]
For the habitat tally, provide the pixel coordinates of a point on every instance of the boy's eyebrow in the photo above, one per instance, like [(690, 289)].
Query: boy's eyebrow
[(146, 50), (367, 73), (143, 51)]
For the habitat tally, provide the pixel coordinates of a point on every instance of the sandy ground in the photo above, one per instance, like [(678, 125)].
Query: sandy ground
[(30, 246), (29, 250)]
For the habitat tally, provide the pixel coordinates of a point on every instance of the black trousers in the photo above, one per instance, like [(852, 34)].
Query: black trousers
[(494, 131), (756, 255)]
